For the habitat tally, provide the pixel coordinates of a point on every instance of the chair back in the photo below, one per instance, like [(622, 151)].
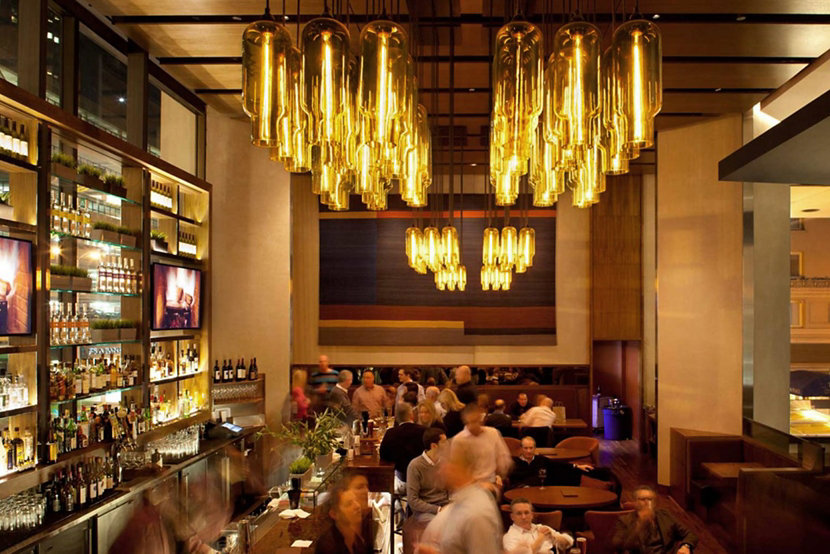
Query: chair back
[(513, 445), (582, 443), (602, 525), (540, 434), (551, 519)]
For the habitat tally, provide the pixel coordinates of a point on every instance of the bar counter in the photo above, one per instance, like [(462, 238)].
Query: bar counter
[(55, 524)]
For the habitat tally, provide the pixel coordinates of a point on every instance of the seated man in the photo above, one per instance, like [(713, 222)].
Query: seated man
[(650, 529), (403, 442), (426, 492), (499, 419), (526, 537), (539, 416), (519, 406), (529, 470), (492, 457)]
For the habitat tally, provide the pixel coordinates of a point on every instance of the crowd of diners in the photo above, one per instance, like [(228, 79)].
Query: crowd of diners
[(453, 466)]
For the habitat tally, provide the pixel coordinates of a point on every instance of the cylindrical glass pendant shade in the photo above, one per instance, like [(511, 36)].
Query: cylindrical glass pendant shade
[(300, 160), (638, 62), (449, 246), (485, 277), (432, 248), (326, 48), (414, 246), (613, 127), (517, 89), (576, 72), (440, 279), (527, 246), (461, 277), (491, 246), (505, 279), (509, 244), (384, 52), (266, 46)]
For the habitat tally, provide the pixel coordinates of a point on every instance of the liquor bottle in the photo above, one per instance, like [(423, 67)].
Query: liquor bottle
[(24, 143), (86, 335), (253, 370), (11, 455), (19, 454), (86, 218), (28, 447), (70, 432), (73, 216), (56, 211), (81, 486), (15, 140), (226, 371), (65, 229), (217, 373), (83, 429), (241, 371)]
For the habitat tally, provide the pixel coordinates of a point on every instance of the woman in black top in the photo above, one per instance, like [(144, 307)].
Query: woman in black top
[(345, 533), (452, 419)]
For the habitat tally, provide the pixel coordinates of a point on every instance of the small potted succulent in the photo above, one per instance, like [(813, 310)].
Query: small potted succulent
[(65, 277), (300, 471), (158, 241)]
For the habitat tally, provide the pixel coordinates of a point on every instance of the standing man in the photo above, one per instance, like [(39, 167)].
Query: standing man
[(368, 397), (339, 397), (465, 390), (402, 443), (651, 529), (526, 537), (321, 383), (405, 376), (471, 523), (492, 460)]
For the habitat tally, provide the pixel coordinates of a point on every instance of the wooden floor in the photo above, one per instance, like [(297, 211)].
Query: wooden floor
[(634, 468)]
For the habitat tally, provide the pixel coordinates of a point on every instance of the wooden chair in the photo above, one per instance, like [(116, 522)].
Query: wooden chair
[(601, 530), (583, 443), (513, 445)]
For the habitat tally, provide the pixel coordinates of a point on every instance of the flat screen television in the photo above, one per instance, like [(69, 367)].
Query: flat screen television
[(177, 297), (17, 285)]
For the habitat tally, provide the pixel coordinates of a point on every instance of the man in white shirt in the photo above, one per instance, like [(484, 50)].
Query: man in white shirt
[(405, 376), (539, 416), (526, 537), (492, 457)]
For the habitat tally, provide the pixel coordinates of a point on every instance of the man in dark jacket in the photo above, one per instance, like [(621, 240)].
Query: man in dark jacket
[(465, 390), (338, 399), (500, 420), (403, 442), (651, 530)]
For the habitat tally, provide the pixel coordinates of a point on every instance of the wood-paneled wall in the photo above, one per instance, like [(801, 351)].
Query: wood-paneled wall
[(616, 261)]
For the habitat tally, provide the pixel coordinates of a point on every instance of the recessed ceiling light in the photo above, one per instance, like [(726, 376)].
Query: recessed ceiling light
[(471, 89), (656, 16), (809, 210), (236, 18), (718, 89), (740, 18), (122, 99), (473, 165), (285, 17)]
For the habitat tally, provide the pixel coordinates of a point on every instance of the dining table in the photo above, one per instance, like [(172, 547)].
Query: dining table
[(563, 454), (563, 498)]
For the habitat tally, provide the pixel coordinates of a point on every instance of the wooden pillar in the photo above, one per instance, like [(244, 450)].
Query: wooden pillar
[(69, 64), (31, 47), (137, 85)]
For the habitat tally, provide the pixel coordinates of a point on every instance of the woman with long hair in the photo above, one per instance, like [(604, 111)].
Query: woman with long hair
[(452, 419), (428, 416), (299, 401), (344, 534)]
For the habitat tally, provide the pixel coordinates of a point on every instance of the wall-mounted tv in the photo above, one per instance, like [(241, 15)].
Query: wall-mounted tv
[(177, 297), (16, 287)]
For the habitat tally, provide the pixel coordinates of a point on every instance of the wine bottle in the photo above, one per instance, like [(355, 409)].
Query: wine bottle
[(241, 371), (217, 374), (253, 370)]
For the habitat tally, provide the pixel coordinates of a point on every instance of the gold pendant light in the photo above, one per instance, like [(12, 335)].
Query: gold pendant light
[(266, 47), (300, 160), (638, 70)]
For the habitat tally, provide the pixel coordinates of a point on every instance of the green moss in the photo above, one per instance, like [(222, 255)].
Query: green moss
[(64, 159), (113, 324), (91, 170), (68, 270)]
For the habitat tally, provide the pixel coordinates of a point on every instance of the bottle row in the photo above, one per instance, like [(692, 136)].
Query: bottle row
[(102, 423), (66, 327), (67, 380), (69, 217), (188, 245), (161, 195), (14, 391), (162, 365), (17, 451), (239, 373), (14, 141), (75, 487), (164, 409), (118, 275)]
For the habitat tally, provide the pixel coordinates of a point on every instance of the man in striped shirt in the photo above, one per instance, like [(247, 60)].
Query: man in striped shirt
[(322, 381)]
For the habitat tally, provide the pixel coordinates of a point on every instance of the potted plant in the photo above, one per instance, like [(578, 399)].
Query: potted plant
[(127, 236), (64, 166), (106, 232), (300, 471), (64, 277), (128, 329), (317, 441), (104, 330), (6, 209), (91, 176), (115, 185), (158, 241)]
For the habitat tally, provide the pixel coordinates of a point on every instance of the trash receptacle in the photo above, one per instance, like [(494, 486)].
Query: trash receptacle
[(617, 422)]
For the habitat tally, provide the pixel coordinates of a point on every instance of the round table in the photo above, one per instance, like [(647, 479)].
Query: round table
[(563, 498), (563, 454)]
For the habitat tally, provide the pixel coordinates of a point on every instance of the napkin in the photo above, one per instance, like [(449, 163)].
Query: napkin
[(300, 544), (291, 514)]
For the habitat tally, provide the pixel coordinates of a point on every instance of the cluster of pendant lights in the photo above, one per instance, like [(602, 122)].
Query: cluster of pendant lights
[(439, 252), (580, 118), (355, 123), (503, 252)]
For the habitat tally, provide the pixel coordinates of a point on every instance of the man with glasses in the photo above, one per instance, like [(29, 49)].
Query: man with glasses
[(651, 530)]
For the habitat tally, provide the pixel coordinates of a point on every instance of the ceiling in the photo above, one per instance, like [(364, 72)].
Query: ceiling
[(719, 55)]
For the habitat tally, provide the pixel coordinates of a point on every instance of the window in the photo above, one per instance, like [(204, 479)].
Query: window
[(154, 120), (54, 57), (8, 40), (102, 97)]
